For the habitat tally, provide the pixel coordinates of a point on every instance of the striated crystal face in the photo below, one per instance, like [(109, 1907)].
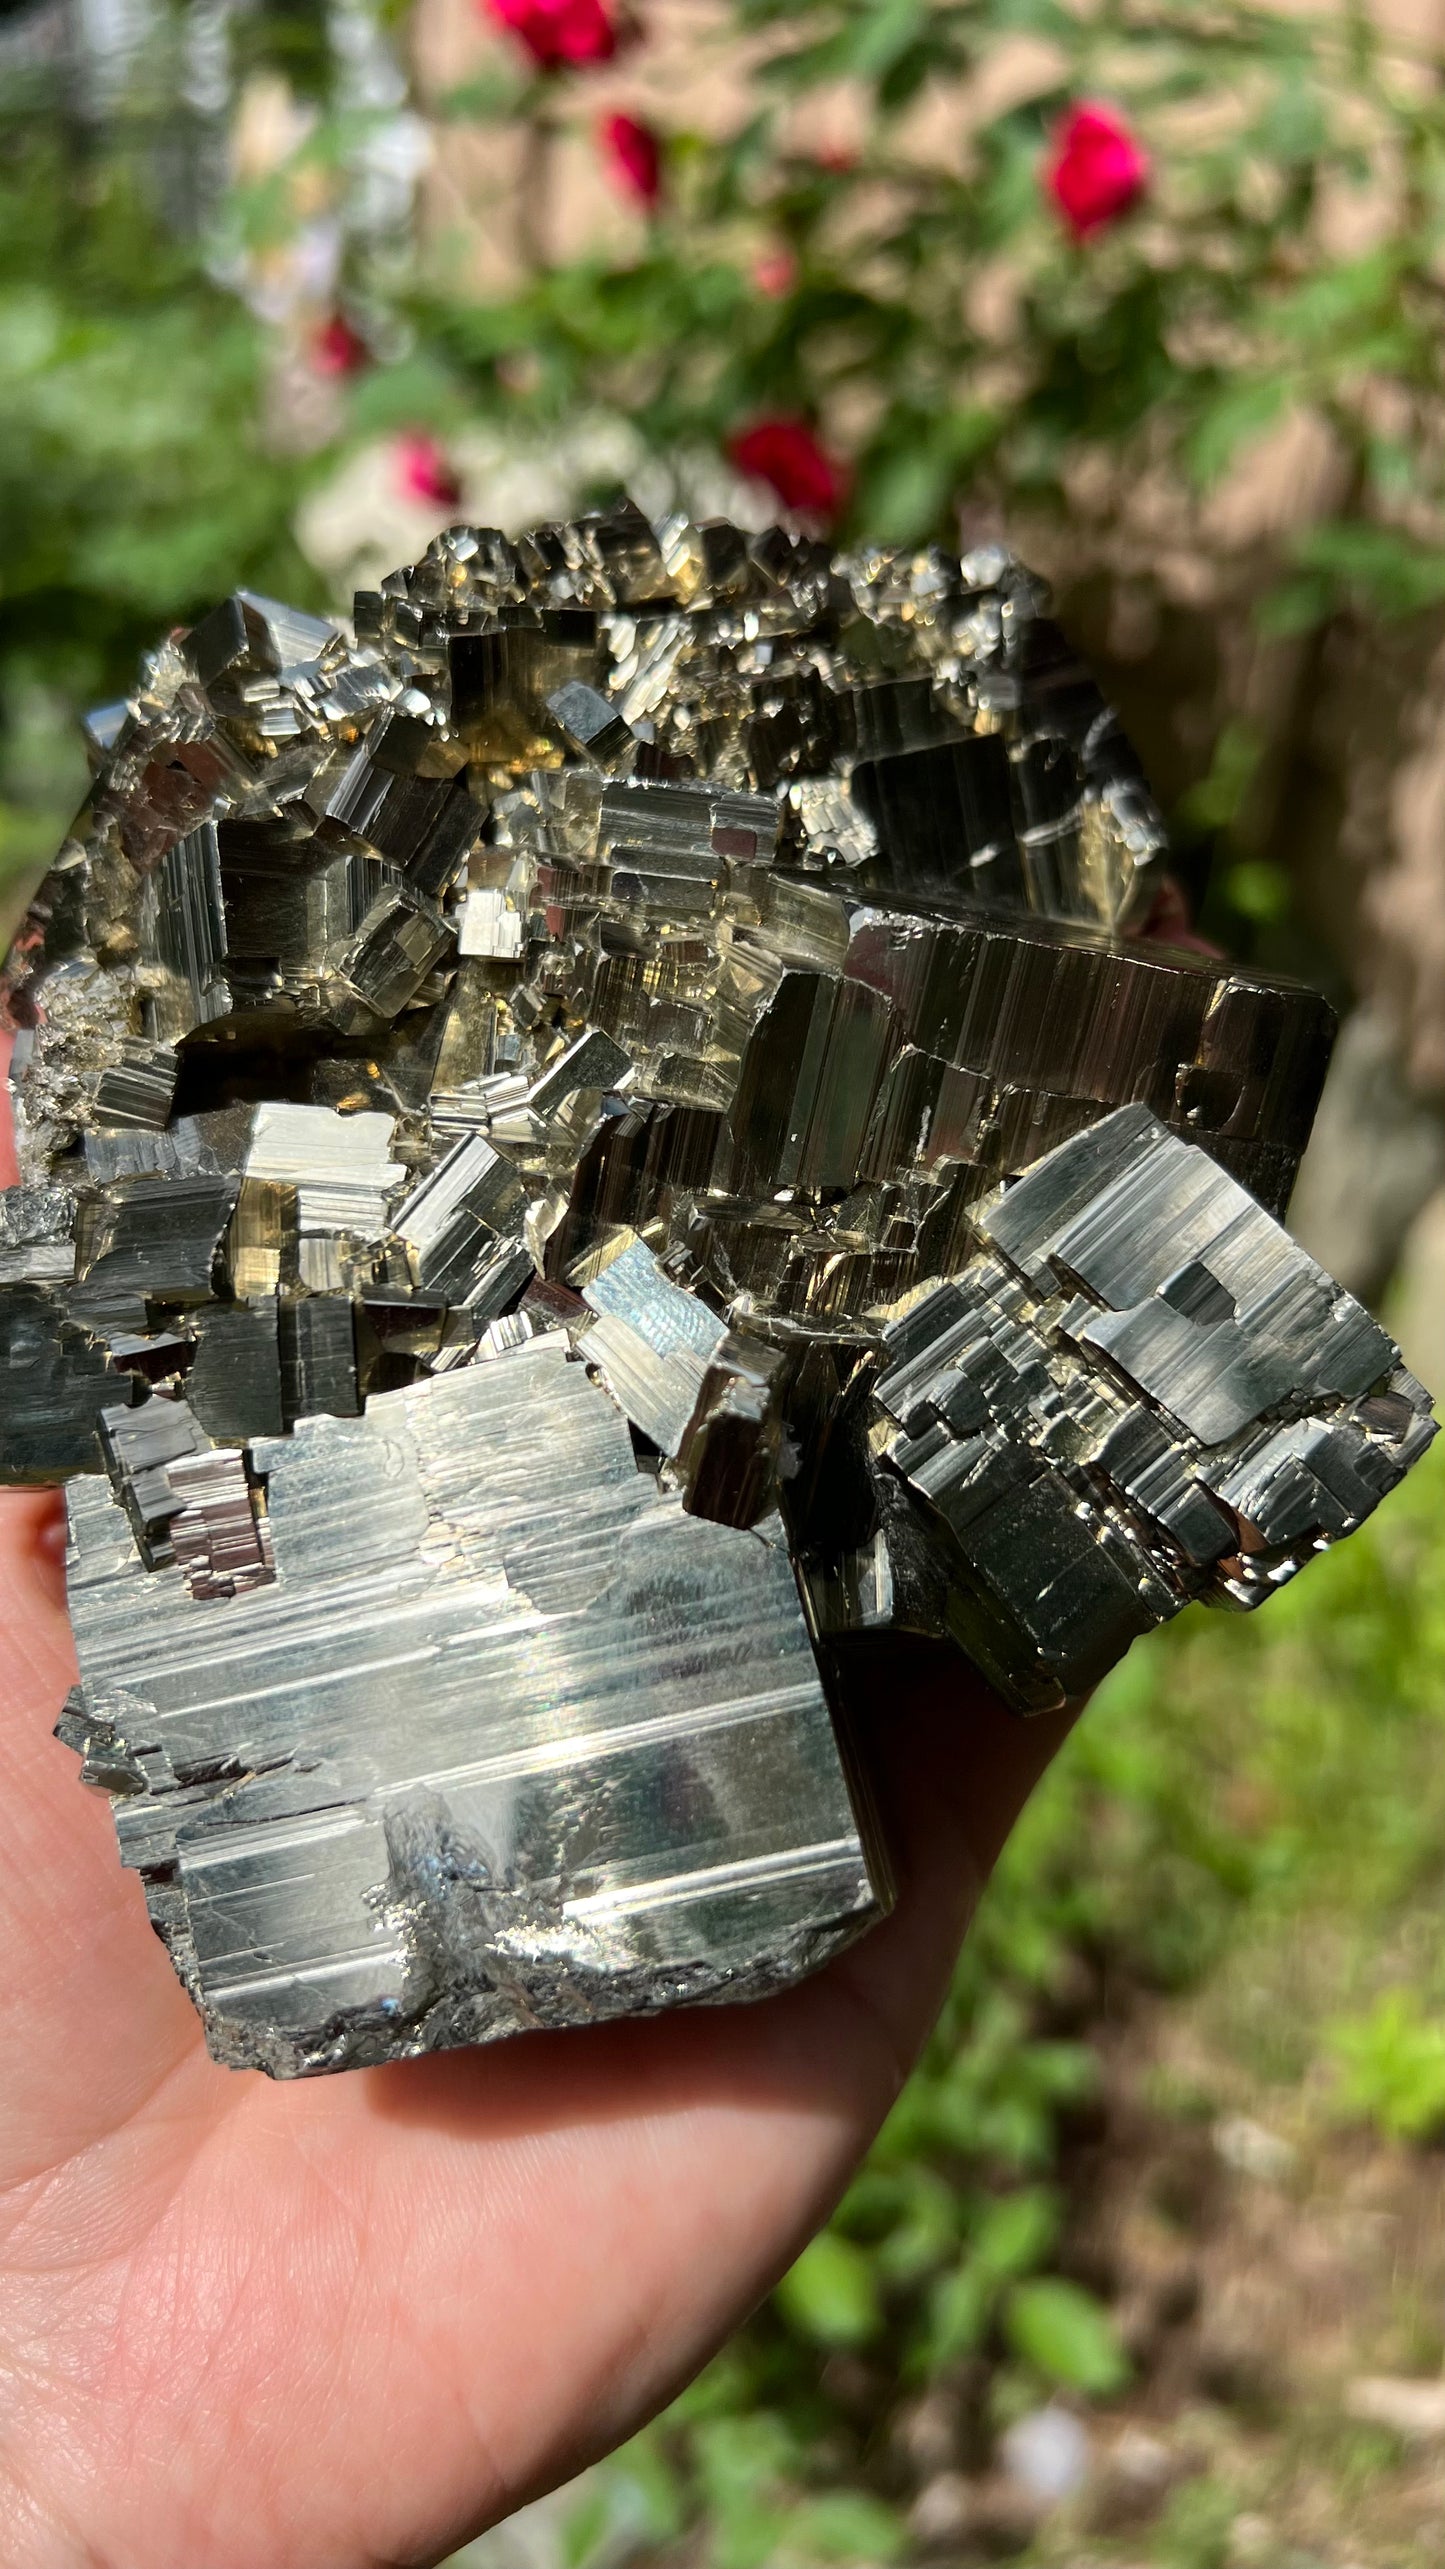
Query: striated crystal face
[(585, 1141)]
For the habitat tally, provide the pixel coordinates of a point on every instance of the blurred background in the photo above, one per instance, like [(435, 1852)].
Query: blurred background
[(1149, 2264)]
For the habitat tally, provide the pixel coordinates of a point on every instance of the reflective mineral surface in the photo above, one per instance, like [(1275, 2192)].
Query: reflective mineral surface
[(587, 1139)]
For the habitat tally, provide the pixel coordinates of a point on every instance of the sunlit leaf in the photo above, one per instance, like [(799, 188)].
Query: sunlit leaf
[(1065, 2334), (1241, 411), (1391, 2065), (1017, 2232), (959, 2309), (830, 2294)]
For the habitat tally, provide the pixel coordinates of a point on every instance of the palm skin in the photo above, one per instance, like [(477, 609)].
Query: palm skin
[(350, 2321)]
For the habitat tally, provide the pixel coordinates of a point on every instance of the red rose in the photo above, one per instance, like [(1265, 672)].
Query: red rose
[(337, 349), (1096, 170), (423, 473), (786, 455), (634, 155), (559, 34)]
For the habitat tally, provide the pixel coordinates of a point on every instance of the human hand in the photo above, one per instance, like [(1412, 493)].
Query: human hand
[(351, 2321)]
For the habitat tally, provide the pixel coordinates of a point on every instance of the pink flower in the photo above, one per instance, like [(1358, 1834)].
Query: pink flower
[(337, 349), (423, 473), (559, 34), (633, 152), (786, 454), (1096, 171), (775, 272)]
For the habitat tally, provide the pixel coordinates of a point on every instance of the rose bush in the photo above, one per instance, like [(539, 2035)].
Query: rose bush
[(1096, 170), (1160, 257)]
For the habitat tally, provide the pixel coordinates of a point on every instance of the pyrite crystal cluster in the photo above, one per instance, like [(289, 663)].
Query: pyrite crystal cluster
[(584, 1142)]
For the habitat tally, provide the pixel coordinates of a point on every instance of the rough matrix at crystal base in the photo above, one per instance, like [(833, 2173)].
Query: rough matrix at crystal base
[(587, 1140)]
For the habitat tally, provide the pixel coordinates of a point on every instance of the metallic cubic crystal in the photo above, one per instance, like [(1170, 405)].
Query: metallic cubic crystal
[(586, 1140)]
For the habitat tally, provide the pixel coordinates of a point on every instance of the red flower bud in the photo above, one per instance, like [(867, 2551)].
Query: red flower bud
[(1096, 171), (559, 34), (775, 272), (634, 155), (787, 455), (423, 473), (337, 349)]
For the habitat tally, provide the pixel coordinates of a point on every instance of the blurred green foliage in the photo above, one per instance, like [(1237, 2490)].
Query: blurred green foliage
[(1392, 2060), (1197, 2527), (134, 478), (1267, 1790), (136, 481)]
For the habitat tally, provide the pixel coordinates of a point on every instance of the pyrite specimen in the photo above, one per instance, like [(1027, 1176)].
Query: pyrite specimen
[(585, 1141)]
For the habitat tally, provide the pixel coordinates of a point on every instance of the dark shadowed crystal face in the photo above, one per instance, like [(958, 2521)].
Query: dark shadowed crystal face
[(584, 1142)]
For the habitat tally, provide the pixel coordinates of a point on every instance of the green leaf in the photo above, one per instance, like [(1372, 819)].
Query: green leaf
[(830, 2294), (1257, 890), (847, 2524), (1243, 410), (959, 2309), (1033, 18), (31, 328), (901, 499), (485, 98), (1216, 801), (586, 2526), (1017, 2232), (1392, 2067), (741, 2465), (884, 31), (1197, 2526), (1380, 566), (1064, 2333), (1296, 606), (1340, 296), (419, 387), (723, 2387), (650, 2502), (1295, 124)]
